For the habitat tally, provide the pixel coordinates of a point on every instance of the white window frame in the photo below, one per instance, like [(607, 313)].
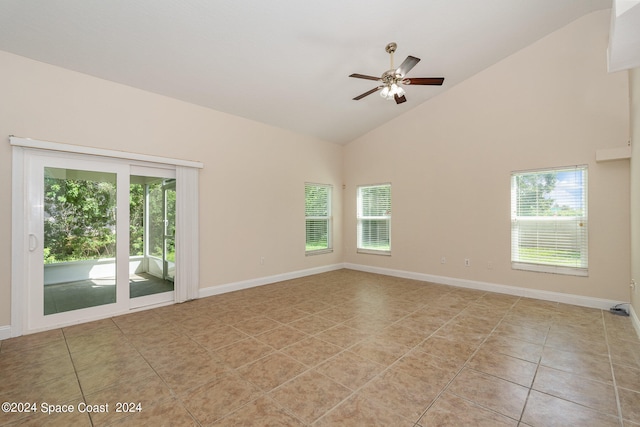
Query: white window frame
[(579, 223), (361, 218), (327, 218)]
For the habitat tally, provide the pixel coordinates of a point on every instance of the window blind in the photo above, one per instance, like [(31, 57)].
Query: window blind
[(317, 217), (549, 221), (374, 219)]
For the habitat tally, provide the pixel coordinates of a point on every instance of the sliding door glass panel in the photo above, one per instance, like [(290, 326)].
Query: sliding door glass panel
[(151, 256), (79, 246)]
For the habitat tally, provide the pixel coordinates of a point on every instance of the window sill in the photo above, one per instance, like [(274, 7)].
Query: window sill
[(541, 268), (373, 252), (318, 252)]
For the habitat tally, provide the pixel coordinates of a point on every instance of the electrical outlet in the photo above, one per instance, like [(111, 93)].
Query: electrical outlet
[(261, 260), (443, 260), (467, 262)]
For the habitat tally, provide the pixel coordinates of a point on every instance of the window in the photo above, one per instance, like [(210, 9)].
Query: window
[(549, 220), (317, 210), (374, 219)]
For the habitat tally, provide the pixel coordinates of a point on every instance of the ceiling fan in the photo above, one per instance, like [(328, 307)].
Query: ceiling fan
[(393, 78)]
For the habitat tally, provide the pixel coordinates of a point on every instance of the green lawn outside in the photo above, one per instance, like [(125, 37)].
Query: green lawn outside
[(550, 256), (316, 246)]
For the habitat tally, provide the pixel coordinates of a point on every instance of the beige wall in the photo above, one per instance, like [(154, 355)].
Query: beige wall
[(251, 189), (634, 82), (449, 162)]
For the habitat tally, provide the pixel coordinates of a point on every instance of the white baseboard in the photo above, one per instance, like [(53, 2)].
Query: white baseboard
[(260, 281), (5, 332), (580, 300), (603, 304)]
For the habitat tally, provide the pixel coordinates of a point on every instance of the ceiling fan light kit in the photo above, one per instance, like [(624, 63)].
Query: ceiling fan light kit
[(393, 78)]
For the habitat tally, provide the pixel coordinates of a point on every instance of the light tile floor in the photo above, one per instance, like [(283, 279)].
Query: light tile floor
[(343, 348)]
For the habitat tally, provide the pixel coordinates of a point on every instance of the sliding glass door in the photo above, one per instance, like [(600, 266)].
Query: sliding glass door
[(101, 237)]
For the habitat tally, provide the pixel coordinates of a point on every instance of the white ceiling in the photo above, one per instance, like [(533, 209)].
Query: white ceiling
[(281, 62)]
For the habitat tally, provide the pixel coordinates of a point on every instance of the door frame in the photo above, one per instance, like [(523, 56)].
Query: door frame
[(183, 290)]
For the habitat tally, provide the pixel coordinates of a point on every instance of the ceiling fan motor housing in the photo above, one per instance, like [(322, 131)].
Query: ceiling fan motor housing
[(390, 76)]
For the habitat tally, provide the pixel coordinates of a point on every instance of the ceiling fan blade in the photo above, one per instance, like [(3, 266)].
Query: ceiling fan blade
[(400, 99), (435, 81), (375, 89), (362, 76), (407, 65)]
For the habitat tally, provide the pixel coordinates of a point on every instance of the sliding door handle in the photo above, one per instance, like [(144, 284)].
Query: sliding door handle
[(33, 242)]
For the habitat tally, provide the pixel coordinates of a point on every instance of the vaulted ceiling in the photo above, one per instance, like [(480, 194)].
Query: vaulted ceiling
[(281, 62)]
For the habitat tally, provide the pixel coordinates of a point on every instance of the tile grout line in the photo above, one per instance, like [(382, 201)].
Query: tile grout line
[(613, 375), (276, 350), (467, 361), (465, 365), (75, 371), (535, 374), (173, 393), (344, 350), (620, 418), (413, 348)]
